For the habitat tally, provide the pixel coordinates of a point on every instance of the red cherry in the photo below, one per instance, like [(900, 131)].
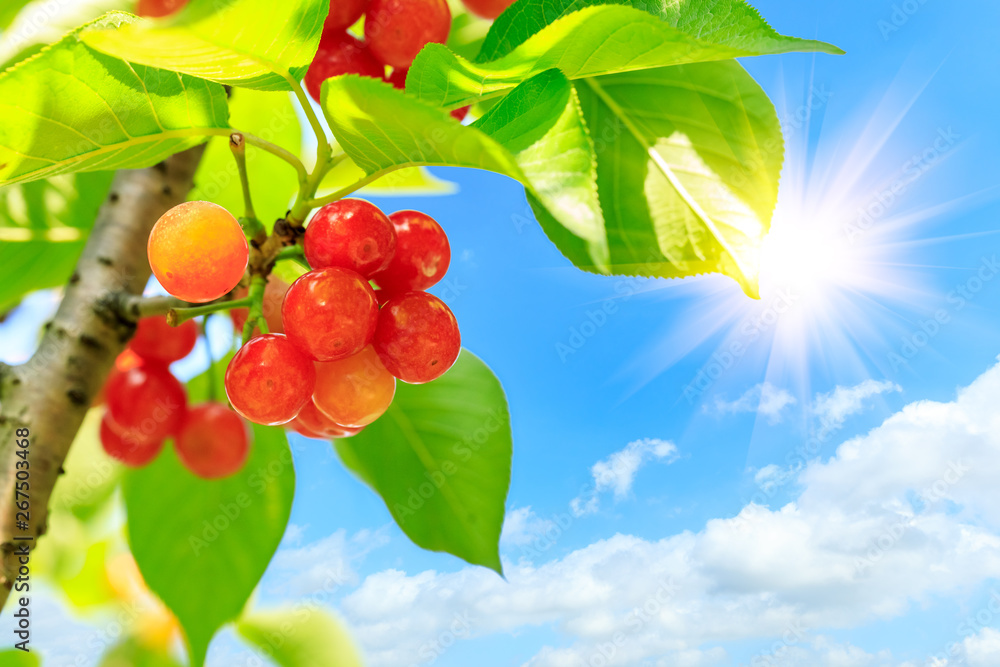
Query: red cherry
[(274, 295), (124, 361), (340, 53), (213, 441), (330, 313), (417, 337), (314, 424), (145, 403), (127, 449), (352, 234), (301, 429), (354, 391), (198, 251), (159, 8), (156, 340), (382, 297), (422, 254), (269, 380), (488, 9), (344, 13), (397, 30)]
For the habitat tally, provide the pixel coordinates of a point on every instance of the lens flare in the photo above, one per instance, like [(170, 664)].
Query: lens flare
[(837, 286)]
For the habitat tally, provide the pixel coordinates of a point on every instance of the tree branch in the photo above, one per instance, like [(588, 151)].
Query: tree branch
[(51, 393), (132, 307)]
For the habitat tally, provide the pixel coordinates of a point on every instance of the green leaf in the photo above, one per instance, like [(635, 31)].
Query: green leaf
[(18, 658), (43, 227), (273, 183), (132, 653), (90, 476), (413, 182), (593, 41), (259, 44), (37, 23), (89, 586), (310, 637), (9, 11), (725, 22), (467, 32), (689, 159), (440, 458), (540, 122), (202, 545), (383, 129), (72, 109), (408, 182)]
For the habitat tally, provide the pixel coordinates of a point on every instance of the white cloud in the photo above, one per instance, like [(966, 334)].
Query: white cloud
[(835, 407), (522, 526), (617, 472), (901, 516), (765, 399), (325, 565), (983, 649), (293, 535)]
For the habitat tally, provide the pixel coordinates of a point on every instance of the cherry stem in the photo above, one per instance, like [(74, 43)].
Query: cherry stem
[(255, 319), (178, 316), (293, 252), (343, 192), (279, 152), (326, 159), (323, 148), (237, 143)]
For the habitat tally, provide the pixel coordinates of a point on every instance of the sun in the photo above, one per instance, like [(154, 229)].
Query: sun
[(804, 257), (839, 288)]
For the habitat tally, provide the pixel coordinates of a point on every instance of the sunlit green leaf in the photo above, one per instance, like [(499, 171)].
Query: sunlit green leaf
[(9, 10), (590, 42), (440, 458), (409, 182), (259, 44), (90, 476), (541, 123), (37, 23), (43, 227), (302, 636), (132, 653), (90, 587), (18, 658), (383, 130), (688, 162), (724, 22), (71, 109)]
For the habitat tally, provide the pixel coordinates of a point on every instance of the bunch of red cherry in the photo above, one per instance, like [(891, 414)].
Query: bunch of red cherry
[(394, 33), (333, 371), (345, 331), (146, 405)]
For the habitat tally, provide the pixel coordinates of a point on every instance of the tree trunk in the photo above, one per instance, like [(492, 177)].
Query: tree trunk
[(51, 393)]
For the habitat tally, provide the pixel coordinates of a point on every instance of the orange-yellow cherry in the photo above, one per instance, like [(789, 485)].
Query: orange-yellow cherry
[(198, 251), (355, 391)]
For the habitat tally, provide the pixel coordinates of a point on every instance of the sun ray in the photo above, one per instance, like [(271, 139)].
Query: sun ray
[(839, 282)]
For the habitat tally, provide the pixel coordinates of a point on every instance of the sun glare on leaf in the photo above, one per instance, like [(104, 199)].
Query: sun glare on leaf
[(838, 290)]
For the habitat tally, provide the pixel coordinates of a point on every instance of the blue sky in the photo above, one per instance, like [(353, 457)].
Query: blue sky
[(639, 485)]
